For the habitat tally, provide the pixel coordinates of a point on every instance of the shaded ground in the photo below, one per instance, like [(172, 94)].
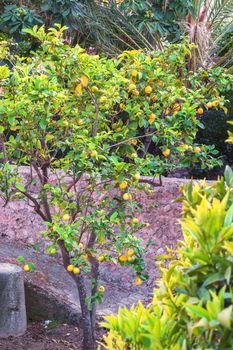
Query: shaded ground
[(159, 209), (39, 336)]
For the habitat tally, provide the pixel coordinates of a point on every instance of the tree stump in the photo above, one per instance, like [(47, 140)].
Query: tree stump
[(13, 321)]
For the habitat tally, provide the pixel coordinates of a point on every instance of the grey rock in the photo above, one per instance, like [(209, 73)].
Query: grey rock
[(13, 321)]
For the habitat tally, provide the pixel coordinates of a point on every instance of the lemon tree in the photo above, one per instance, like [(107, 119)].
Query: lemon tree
[(83, 124)]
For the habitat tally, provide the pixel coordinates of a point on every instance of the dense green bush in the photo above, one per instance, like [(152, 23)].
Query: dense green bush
[(215, 132), (193, 303)]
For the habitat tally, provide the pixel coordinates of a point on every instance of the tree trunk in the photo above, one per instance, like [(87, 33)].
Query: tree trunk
[(88, 331)]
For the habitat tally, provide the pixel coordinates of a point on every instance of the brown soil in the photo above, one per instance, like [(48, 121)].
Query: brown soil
[(40, 336)]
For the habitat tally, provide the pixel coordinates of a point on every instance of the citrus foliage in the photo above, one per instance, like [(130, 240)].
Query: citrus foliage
[(193, 304)]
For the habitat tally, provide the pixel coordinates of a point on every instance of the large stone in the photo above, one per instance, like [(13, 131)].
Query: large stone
[(13, 321)]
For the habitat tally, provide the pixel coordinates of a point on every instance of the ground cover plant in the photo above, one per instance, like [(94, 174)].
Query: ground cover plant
[(84, 125)]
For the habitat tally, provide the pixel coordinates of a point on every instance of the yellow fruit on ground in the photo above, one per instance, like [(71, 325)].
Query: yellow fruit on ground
[(148, 89), (76, 271), (138, 281), (123, 258), (94, 154), (80, 245), (126, 196), (66, 217), (132, 87), (70, 268), (135, 221), (167, 152), (130, 252), (101, 289), (137, 176), (136, 93), (196, 150), (209, 105), (26, 268), (123, 185), (94, 89), (134, 73), (53, 251), (101, 258), (134, 155), (200, 110)]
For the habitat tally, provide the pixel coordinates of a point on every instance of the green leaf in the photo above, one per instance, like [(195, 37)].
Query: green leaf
[(224, 317)]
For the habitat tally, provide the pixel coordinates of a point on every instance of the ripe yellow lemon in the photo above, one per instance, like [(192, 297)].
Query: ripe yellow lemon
[(76, 271), (118, 129), (209, 105), (161, 83), (134, 155), (70, 268), (131, 258), (94, 154), (167, 152), (136, 93), (101, 289), (184, 146), (215, 103), (200, 110), (126, 196), (26, 268), (148, 89), (154, 98), (135, 221), (80, 245), (196, 150), (137, 176), (123, 185), (134, 142), (130, 252), (66, 217), (103, 99), (101, 258), (123, 258), (138, 281), (94, 89), (122, 106), (134, 73), (53, 251), (132, 87), (176, 107)]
